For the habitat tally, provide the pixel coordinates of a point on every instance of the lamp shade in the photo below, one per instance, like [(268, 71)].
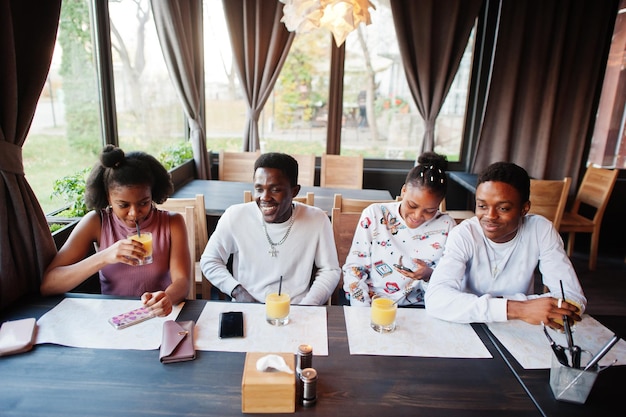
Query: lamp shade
[(339, 16)]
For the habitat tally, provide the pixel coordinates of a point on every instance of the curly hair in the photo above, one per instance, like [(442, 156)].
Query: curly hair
[(117, 168), (509, 173), (430, 173), (286, 163)]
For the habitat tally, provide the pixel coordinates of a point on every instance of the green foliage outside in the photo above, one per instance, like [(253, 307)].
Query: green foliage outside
[(175, 155), (71, 188), (301, 88), (79, 77)]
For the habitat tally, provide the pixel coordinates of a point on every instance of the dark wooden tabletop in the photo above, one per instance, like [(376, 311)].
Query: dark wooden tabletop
[(604, 397), (54, 380), (219, 195)]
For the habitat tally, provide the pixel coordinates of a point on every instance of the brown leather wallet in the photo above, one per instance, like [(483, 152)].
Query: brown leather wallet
[(177, 343)]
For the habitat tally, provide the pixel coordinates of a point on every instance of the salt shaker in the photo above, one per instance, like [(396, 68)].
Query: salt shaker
[(309, 387), (304, 358)]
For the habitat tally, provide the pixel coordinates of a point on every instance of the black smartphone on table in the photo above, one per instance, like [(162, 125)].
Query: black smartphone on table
[(231, 324)]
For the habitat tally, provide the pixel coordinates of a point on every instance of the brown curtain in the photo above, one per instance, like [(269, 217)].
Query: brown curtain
[(179, 27), (260, 45), (432, 36), (549, 59), (27, 36)]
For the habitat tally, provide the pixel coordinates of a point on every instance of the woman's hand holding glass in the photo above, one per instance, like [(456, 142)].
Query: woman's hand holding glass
[(126, 251)]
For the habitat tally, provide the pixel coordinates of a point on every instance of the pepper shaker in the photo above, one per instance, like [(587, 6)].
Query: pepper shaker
[(309, 387)]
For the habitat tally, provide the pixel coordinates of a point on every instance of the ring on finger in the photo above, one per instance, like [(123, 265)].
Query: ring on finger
[(559, 303)]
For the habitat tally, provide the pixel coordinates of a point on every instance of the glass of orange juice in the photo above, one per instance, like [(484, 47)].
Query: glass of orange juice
[(575, 303), (146, 239), (277, 308), (383, 314)]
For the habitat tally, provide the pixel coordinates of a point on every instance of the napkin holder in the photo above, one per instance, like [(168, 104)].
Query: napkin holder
[(267, 392)]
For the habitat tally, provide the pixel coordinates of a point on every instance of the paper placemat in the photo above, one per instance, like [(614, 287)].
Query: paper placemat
[(84, 322), (307, 325), (416, 334), (531, 349)]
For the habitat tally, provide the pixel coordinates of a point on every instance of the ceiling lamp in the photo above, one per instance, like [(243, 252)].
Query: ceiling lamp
[(339, 16)]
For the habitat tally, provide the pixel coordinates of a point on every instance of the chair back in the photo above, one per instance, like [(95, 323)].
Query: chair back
[(309, 199), (353, 205), (306, 169), (594, 191), (549, 198), (200, 235), (341, 171), (457, 215), (237, 166), (344, 226)]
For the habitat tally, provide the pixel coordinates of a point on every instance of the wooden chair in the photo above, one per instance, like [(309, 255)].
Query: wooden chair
[(595, 191), (345, 217), (344, 226), (353, 205), (306, 169), (237, 166), (341, 171), (457, 215), (309, 199), (549, 198), (201, 237)]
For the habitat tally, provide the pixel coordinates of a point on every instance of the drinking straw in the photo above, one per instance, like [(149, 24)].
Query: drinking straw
[(280, 284), (137, 225)]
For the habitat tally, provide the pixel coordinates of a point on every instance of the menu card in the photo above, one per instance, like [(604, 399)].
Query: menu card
[(530, 347), (84, 322), (416, 334), (307, 325)]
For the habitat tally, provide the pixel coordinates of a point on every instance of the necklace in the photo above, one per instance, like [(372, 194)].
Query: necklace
[(497, 264), (273, 251)]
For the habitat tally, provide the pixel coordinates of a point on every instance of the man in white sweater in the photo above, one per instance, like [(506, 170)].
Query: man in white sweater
[(273, 237), (486, 273)]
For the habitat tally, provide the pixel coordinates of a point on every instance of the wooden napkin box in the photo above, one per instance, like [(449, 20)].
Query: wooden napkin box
[(268, 392)]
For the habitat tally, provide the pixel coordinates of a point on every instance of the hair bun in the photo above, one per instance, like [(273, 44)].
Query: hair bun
[(433, 159), (112, 156)]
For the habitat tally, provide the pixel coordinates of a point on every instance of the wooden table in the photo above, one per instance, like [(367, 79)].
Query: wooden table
[(219, 195), (54, 380), (604, 396)]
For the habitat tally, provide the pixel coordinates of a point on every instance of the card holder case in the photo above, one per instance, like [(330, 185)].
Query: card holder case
[(17, 336), (177, 342)]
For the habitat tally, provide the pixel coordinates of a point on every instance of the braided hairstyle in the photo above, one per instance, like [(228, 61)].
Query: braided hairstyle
[(429, 173), (117, 168)]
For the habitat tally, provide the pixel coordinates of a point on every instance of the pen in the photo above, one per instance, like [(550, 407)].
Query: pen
[(605, 349), (558, 350)]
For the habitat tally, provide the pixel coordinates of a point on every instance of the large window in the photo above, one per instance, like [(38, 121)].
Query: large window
[(295, 117), (65, 134), (149, 113), (380, 118), (225, 107)]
